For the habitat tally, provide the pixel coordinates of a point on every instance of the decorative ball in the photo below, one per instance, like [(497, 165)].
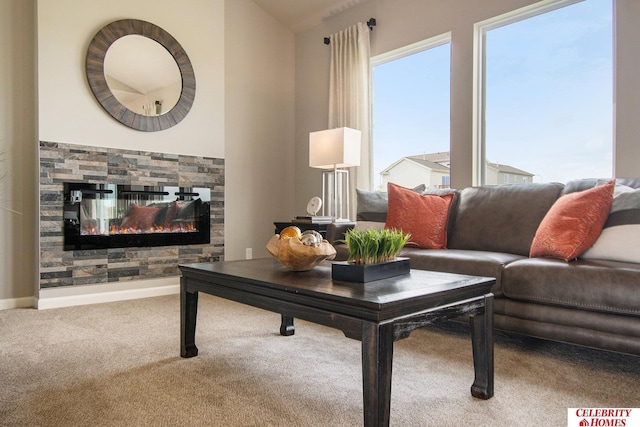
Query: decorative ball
[(291, 232), (311, 238)]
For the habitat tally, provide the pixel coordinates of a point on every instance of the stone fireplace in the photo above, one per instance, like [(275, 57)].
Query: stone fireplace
[(113, 215)]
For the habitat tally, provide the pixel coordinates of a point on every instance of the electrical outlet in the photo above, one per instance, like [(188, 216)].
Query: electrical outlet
[(248, 253)]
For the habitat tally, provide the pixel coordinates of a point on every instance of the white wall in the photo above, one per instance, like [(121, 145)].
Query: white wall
[(69, 113), (243, 112), (259, 122), (408, 21), (18, 173), (627, 89)]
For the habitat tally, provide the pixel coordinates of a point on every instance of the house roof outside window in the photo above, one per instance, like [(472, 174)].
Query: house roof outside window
[(433, 170)]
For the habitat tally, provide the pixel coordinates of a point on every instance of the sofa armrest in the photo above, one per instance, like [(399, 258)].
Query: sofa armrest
[(336, 230)]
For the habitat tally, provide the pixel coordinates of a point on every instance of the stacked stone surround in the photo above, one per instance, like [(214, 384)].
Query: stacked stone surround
[(60, 163)]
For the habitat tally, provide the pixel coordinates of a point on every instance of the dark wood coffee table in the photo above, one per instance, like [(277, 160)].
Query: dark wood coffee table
[(376, 313)]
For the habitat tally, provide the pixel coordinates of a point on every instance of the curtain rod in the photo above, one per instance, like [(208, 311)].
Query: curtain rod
[(370, 23)]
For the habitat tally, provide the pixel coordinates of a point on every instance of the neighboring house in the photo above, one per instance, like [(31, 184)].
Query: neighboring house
[(432, 170), (505, 174)]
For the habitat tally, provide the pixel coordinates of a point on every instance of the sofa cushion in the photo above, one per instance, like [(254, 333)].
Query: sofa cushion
[(573, 223), (605, 331), (335, 236), (586, 183), (371, 205), (620, 237), (583, 184), (475, 263), (586, 321), (594, 285), (501, 218), (342, 252), (368, 225), (424, 216)]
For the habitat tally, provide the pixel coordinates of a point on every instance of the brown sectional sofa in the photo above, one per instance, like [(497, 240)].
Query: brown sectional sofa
[(589, 302)]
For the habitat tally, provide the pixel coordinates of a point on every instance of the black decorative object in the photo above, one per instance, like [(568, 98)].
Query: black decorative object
[(350, 272)]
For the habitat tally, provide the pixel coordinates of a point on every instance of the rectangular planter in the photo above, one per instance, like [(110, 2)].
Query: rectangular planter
[(369, 272)]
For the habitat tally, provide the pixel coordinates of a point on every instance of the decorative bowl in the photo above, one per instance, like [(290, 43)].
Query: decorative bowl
[(297, 256)]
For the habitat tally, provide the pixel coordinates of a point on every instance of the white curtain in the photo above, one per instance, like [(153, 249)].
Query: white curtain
[(349, 96)]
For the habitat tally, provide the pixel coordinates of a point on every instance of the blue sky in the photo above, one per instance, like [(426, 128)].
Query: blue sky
[(549, 97)]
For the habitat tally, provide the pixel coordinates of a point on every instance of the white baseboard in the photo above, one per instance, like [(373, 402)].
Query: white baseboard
[(96, 294), (26, 302)]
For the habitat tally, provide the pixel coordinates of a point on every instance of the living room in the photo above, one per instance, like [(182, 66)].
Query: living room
[(260, 89), (294, 82)]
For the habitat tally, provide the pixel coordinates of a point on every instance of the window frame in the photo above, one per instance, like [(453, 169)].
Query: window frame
[(480, 29)]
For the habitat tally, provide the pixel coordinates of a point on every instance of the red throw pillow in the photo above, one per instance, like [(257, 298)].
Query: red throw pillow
[(573, 223), (423, 215), (140, 218)]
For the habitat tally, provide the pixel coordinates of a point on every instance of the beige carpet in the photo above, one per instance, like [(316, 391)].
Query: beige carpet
[(118, 364)]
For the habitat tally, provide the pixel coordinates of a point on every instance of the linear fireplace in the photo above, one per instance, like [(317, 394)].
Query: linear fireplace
[(99, 216)]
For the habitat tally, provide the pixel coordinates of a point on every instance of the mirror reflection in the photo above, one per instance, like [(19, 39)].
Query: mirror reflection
[(142, 75)]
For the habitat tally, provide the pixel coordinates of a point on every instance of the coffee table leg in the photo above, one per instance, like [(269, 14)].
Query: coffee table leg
[(286, 326), (482, 343), (188, 313), (377, 358)]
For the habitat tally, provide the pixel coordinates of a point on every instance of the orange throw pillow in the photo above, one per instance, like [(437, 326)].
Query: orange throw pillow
[(423, 215), (573, 223)]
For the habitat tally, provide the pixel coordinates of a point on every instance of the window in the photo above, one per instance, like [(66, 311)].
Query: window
[(410, 115), (549, 93)]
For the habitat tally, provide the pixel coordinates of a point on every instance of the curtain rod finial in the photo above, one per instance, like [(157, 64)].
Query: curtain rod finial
[(370, 23)]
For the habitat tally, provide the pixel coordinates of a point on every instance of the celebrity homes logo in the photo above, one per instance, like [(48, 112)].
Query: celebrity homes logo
[(603, 417)]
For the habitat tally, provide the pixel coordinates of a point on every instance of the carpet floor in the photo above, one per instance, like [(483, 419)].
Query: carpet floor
[(118, 364)]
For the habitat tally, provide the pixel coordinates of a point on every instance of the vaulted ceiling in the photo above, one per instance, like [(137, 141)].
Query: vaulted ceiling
[(300, 15)]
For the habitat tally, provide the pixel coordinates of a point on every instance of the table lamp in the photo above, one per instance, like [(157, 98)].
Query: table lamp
[(333, 150)]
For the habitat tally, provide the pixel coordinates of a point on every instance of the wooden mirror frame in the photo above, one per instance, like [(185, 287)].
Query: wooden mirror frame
[(98, 83)]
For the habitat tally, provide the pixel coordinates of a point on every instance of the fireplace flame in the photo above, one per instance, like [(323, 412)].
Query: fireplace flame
[(179, 227)]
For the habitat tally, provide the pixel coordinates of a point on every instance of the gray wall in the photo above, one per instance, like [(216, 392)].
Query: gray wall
[(18, 152)]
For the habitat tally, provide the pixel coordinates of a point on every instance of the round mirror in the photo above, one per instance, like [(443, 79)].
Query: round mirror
[(140, 75)]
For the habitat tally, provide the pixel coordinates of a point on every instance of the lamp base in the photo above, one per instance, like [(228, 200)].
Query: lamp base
[(335, 194)]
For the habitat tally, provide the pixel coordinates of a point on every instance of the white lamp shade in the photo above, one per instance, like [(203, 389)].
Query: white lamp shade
[(334, 148)]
